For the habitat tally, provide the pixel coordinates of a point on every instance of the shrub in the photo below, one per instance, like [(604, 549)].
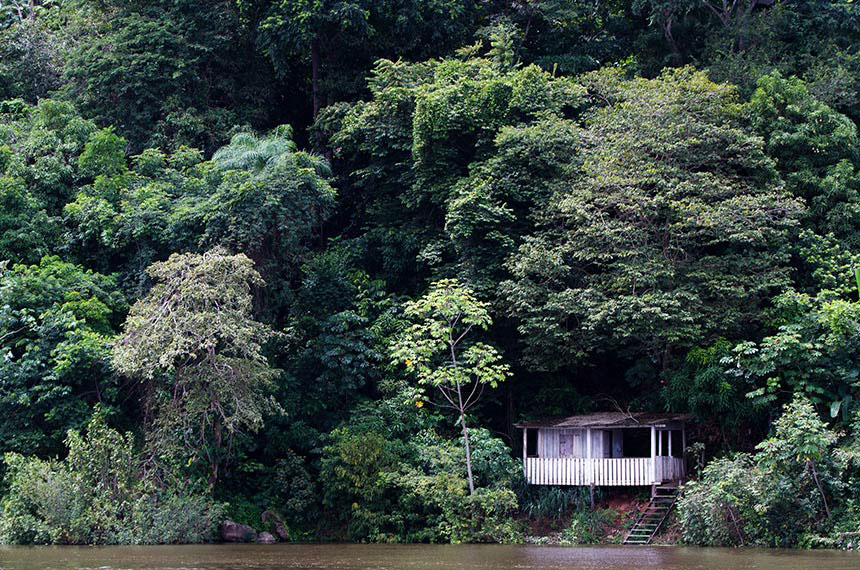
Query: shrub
[(486, 516), (556, 502), (98, 495), (44, 504), (588, 527), (775, 497), (171, 519)]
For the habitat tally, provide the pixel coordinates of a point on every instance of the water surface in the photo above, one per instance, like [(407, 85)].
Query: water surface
[(417, 557)]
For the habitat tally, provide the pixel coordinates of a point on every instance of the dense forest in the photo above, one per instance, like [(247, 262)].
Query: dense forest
[(303, 264)]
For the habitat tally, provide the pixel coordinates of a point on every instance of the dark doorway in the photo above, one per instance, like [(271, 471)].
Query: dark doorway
[(531, 443), (637, 442), (677, 443)]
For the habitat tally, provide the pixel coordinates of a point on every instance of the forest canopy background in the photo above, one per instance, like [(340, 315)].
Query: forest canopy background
[(222, 223)]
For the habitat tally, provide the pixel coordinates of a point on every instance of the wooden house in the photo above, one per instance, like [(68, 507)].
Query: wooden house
[(605, 449)]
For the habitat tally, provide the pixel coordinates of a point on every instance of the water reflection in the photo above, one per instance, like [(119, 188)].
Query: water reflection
[(417, 557)]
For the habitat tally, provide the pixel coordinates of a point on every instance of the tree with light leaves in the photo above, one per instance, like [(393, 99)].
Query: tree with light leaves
[(193, 344), (439, 350)]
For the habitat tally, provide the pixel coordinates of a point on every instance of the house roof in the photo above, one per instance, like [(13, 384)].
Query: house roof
[(606, 419)]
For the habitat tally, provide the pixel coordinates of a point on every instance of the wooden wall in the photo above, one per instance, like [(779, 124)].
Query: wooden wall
[(572, 443)]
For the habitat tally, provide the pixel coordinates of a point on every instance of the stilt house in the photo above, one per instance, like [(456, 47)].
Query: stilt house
[(605, 449)]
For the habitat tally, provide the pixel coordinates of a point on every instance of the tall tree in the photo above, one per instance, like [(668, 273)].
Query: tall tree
[(166, 73), (198, 352), (440, 352), (674, 230)]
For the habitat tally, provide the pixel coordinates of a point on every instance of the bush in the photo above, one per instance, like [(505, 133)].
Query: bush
[(97, 496), (556, 502), (588, 527), (709, 509), (44, 504), (410, 485), (171, 519), (486, 516), (776, 497)]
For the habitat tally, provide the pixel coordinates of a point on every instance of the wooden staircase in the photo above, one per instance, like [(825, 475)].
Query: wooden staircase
[(654, 515)]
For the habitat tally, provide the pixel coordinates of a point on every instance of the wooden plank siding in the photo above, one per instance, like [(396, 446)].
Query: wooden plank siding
[(627, 471)]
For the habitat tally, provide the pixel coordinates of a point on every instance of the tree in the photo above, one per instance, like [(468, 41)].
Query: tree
[(574, 36), (165, 74), (776, 497), (453, 141), (269, 201), (674, 230), (811, 349), (46, 141), (198, 352), (56, 324), (26, 231), (437, 349), (816, 150), (31, 59), (301, 27), (339, 40)]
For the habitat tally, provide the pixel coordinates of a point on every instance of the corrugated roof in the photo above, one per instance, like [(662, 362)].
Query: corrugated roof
[(606, 419)]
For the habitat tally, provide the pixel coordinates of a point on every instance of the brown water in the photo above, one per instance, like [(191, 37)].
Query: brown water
[(418, 557)]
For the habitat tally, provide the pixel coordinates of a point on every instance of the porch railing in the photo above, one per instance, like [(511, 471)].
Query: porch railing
[(626, 471)]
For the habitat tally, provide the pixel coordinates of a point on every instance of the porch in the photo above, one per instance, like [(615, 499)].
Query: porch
[(605, 449)]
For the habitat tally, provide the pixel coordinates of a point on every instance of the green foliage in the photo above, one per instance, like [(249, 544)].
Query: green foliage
[(431, 348), (816, 151), (45, 141), (336, 42), (428, 139), (674, 231), (27, 232), (268, 202), (812, 352), (97, 496), (31, 59), (193, 342), (556, 502), (588, 527), (713, 394), (771, 498), (164, 74), (436, 351), (56, 324), (103, 155), (408, 484), (656, 202)]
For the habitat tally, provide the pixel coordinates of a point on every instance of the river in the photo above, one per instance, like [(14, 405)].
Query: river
[(418, 557)]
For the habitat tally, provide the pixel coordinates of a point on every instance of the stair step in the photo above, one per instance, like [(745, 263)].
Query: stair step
[(652, 517)]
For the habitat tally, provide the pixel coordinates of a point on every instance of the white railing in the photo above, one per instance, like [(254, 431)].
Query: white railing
[(626, 471)]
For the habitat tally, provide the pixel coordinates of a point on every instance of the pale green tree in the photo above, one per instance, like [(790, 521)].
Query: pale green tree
[(439, 350), (195, 347)]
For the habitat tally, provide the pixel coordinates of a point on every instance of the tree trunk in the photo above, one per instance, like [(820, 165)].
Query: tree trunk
[(468, 453), (214, 468), (820, 489), (315, 74)]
